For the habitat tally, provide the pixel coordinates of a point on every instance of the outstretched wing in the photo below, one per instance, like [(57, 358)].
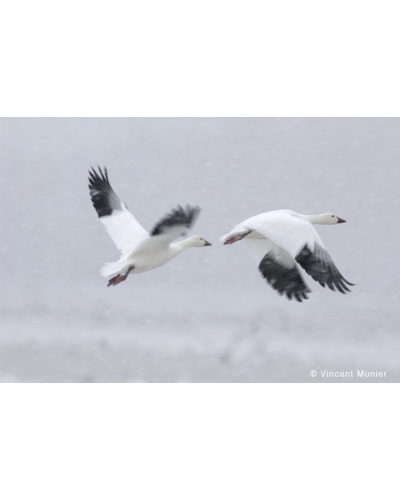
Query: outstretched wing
[(176, 223), (121, 225), (278, 268), (320, 266)]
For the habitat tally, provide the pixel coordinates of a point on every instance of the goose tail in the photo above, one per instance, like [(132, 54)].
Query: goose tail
[(111, 269)]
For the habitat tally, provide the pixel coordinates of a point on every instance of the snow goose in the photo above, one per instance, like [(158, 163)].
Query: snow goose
[(140, 251), (278, 240)]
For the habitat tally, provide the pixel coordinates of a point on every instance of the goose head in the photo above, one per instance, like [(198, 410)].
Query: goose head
[(326, 219), (197, 241)]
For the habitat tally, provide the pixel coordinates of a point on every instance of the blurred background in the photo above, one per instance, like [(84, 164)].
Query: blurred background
[(206, 316)]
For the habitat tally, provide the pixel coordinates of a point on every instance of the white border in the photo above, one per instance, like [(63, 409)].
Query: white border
[(198, 441), (209, 58)]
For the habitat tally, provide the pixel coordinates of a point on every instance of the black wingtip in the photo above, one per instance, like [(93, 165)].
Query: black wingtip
[(319, 265), (177, 217), (286, 281), (102, 195)]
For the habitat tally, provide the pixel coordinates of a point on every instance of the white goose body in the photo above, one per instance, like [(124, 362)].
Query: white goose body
[(281, 239), (140, 251), (145, 257)]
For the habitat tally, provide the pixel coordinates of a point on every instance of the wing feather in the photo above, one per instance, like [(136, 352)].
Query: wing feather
[(121, 225), (320, 266), (278, 268), (175, 224)]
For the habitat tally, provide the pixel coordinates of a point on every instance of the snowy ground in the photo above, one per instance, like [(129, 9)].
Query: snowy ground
[(269, 345), (213, 355)]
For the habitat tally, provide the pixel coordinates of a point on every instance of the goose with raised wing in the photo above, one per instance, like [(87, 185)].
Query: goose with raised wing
[(282, 239), (140, 251)]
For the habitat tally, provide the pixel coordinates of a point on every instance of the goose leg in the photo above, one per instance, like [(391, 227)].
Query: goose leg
[(236, 237), (120, 277)]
